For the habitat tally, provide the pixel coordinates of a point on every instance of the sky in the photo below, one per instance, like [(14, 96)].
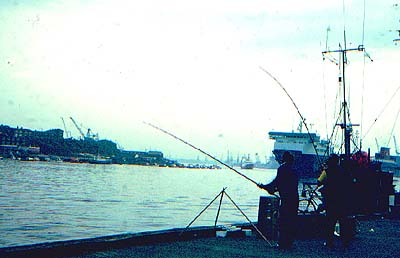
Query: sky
[(193, 69)]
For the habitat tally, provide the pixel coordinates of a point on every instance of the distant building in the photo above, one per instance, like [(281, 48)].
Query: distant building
[(23, 137), (155, 154), (141, 157), (24, 143)]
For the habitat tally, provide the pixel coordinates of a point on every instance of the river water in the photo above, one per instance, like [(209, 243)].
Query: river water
[(45, 201)]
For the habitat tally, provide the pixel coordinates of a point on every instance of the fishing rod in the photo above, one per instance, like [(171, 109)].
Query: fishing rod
[(303, 120), (205, 153)]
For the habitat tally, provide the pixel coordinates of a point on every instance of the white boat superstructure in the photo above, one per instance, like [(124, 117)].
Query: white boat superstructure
[(302, 142), (304, 147)]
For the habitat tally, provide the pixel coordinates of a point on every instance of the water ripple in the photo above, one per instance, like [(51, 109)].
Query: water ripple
[(44, 201)]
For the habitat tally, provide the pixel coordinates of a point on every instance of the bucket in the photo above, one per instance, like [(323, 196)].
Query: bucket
[(247, 232), (220, 233)]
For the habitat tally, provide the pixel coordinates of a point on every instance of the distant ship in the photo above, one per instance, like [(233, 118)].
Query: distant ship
[(270, 163), (307, 164), (389, 163), (246, 163)]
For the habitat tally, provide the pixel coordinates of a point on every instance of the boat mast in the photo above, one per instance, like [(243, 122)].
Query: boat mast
[(348, 128)]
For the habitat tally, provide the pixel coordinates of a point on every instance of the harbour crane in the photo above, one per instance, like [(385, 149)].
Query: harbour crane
[(77, 127), (377, 144), (395, 145), (67, 133), (89, 134)]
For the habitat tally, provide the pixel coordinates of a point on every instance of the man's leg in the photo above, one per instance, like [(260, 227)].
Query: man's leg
[(330, 229)]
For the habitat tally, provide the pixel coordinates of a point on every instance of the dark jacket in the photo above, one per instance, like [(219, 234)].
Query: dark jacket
[(337, 188), (286, 183)]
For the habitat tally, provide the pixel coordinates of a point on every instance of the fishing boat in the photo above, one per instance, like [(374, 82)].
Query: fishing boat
[(100, 160), (371, 186)]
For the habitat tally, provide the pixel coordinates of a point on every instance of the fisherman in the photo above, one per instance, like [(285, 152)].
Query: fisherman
[(336, 184), (286, 183)]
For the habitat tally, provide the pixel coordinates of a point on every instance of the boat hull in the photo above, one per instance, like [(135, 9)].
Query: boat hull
[(100, 161), (247, 166), (305, 165)]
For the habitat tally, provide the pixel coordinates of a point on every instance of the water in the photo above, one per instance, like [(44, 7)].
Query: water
[(44, 201)]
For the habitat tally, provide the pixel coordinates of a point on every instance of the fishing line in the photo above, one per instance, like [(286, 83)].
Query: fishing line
[(205, 153)]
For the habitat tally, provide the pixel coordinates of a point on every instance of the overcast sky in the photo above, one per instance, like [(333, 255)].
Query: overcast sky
[(193, 68)]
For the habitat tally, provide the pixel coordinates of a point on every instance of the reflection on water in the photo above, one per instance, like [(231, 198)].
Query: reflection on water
[(42, 202)]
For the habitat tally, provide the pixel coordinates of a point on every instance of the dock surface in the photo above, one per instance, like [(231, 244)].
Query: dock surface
[(375, 238)]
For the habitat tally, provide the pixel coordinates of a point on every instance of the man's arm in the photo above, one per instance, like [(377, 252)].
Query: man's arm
[(322, 178), (271, 188)]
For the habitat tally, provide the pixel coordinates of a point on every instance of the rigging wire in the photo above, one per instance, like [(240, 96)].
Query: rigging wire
[(376, 119), (394, 125), (324, 85), (344, 27), (363, 26), (363, 78), (362, 99), (346, 91), (334, 131), (357, 148)]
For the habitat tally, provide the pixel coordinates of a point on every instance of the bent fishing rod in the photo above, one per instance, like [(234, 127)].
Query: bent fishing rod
[(205, 153), (303, 120)]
